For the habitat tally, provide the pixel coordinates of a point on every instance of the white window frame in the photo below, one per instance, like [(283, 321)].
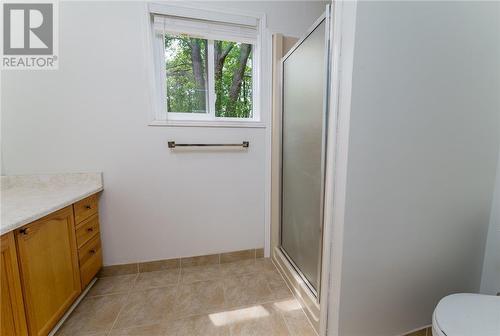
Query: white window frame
[(162, 117)]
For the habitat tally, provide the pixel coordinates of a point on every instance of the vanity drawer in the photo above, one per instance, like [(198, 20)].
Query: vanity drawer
[(85, 208), (90, 256), (86, 230)]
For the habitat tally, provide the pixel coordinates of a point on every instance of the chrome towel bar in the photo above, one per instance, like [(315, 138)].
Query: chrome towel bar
[(244, 144)]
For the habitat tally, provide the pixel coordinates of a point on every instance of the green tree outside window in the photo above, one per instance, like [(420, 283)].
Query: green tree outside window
[(187, 71)]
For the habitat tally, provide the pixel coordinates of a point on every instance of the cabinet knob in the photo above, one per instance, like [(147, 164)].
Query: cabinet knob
[(88, 207), (90, 229), (92, 251), (24, 231)]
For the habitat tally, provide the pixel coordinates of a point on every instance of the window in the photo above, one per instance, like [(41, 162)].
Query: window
[(206, 70)]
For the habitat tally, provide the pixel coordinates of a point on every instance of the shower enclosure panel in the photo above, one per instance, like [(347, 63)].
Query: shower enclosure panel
[(303, 141)]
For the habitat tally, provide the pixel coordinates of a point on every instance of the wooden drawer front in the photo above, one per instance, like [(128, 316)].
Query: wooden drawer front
[(86, 230), (90, 256), (85, 208)]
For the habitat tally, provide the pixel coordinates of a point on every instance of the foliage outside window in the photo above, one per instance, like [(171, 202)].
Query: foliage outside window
[(233, 79), (194, 86), (186, 74)]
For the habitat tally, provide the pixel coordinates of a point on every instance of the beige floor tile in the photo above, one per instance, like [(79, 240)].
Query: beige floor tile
[(113, 285), (241, 298), (147, 307), (238, 268), (157, 279), (247, 267), (261, 320), (201, 325), (200, 273), (94, 315), (295, 318), (246, 290), (198, 298), (157, 329), (277, 285), (264, 264), (90, 334)]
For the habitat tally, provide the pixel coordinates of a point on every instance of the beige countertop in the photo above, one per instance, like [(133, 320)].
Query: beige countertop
[(26, 198)]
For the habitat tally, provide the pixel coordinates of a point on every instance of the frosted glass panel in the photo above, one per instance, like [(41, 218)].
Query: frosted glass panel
[(304, 74)]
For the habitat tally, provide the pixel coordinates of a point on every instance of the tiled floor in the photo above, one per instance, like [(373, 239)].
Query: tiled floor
[(235, 299)]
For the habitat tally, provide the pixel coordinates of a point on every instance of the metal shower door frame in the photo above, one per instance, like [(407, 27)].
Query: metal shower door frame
[(325, 17)]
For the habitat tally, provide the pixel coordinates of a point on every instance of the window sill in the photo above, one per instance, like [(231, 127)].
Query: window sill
[(208, 123)]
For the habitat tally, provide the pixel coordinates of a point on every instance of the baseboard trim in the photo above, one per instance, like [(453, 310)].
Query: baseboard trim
[(183, 262)]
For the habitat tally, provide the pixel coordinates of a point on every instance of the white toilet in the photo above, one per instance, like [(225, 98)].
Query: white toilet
[(467, 315)]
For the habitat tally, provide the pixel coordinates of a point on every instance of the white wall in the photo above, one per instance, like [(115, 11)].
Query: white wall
[(490, 281), (92, 115), (423, 150)]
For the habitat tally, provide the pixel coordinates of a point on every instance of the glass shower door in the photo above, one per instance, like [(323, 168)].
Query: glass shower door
[(303, 152)]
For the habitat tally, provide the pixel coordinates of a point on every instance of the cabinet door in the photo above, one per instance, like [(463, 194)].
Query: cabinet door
[(49, 269), (12, 308)]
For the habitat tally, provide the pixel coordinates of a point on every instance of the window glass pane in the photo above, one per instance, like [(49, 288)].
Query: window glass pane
[(233, 79), (186, 74)]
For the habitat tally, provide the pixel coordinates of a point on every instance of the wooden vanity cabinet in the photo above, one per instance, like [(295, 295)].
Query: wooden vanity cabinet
[(45, 265), (50, 273), (13, 320)]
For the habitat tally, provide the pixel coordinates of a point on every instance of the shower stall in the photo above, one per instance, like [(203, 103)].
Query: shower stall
[(304, 114)]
